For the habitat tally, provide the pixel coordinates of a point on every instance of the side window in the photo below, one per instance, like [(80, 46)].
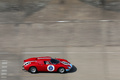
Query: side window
[(46, 62)]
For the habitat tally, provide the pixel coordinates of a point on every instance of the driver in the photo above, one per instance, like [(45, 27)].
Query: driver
[(47, 62)]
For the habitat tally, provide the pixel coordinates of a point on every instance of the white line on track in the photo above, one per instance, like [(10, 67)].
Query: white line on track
[(63, 52), (42, 52), (3, 70), (4, 62), (4, 66), (62, 21), (3, 74), (105, 20)]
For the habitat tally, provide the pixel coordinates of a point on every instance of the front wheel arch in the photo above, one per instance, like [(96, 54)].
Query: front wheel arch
[(61, 68), (34, 68)]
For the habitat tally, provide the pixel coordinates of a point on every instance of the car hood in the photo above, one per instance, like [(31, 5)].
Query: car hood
[(63, 61)]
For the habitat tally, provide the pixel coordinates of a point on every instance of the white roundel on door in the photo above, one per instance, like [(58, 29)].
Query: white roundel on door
[(50, 68)]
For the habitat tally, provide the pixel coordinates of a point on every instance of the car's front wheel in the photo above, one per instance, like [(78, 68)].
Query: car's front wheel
[(33, 69), (61, 70)]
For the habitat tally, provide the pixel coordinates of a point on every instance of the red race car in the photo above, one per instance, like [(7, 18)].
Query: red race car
[(47, 64)]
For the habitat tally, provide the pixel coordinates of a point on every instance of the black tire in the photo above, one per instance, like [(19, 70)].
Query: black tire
[(33, 69), (61, 70)]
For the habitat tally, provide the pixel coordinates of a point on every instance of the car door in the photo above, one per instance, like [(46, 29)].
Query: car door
[(40, 66), (46, 65)]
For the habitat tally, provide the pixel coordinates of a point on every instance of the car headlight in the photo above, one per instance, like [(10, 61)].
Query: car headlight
[(68, 67), (26, 63)]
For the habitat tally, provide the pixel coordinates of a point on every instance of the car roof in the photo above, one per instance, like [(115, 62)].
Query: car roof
[(44, 58)]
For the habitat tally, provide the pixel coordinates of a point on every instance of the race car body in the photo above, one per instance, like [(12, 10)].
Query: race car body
[(47, 64)]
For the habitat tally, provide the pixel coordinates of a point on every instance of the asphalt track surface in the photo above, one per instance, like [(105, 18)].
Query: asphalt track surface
[(91, 42)]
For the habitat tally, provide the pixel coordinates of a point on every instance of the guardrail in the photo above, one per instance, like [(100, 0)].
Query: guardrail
[(113, 5)]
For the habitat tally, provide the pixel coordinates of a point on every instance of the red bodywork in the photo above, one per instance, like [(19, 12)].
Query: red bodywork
[(39, 63)]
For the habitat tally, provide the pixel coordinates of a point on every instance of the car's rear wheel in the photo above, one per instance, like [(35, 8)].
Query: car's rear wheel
[(61, 70), (33, 69)]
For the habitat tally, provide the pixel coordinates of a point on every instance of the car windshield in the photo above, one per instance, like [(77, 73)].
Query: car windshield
[(54, 61)]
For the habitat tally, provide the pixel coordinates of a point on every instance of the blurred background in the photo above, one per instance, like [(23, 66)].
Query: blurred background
[(85, 32)]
